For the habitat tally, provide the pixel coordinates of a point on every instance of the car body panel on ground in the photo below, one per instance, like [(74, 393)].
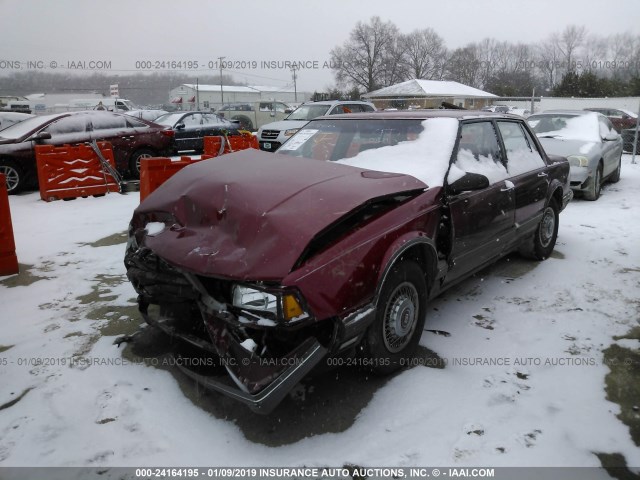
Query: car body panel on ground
[(271, 262)]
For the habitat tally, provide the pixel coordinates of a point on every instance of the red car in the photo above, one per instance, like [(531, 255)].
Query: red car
[(621, 119), (335, 244), (131, 138)]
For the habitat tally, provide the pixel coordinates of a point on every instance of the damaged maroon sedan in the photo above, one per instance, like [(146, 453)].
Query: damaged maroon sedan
[(334, 244)]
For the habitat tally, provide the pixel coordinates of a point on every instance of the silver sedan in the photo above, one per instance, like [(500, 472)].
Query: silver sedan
[(588, 140)]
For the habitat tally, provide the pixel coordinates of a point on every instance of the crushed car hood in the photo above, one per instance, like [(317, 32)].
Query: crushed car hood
[(249, 215)]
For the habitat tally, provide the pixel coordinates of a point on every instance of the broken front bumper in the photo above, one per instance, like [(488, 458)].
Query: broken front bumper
[(249, 372), (260, 380)]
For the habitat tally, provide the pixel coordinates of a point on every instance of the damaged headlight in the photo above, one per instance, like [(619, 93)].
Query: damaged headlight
[(280, 305), (578, 161)]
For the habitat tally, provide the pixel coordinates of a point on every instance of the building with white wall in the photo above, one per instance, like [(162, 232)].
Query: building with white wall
[(190, 96)]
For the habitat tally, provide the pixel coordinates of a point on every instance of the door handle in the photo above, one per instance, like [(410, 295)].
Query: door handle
[(543, 174), (508, 186)]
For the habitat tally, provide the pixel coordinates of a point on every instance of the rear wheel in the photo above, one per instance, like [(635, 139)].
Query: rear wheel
[(593, 191), (540, 246), (400, 316), (136, 158), (14, 176)]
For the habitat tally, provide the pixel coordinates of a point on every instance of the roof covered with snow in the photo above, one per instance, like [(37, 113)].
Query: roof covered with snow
[(238, 88), (429, 88)]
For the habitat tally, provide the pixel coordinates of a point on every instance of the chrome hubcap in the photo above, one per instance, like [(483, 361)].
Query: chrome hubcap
[(547, 227), (401, 317), (139, 160), (12, 176)]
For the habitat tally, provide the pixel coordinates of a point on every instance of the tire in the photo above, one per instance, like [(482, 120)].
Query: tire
[(15, 178), (245, 122), (400, 317), (595, 186), (543, 241), (615, 176), (134, 161)]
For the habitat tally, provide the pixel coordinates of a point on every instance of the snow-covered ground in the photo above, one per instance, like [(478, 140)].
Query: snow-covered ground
[(523, 382)]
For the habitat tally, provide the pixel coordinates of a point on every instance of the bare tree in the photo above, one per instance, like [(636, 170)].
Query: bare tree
[(547, 61), (568, 43), (594, 55), (464, 66), (364, 61), (424, 54)]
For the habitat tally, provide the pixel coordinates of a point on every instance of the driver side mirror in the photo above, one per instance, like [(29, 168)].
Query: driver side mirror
[(180, 126), (611, 136), (470, 181), (288, 110)]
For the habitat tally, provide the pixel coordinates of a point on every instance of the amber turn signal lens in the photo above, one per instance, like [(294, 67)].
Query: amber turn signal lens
[(290, 307)]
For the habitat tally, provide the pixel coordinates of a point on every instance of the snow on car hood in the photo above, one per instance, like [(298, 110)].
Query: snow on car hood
[(565, 147), (249, 215), (285, 125)]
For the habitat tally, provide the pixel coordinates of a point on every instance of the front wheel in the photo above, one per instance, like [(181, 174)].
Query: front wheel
[(593, 191), (400, 316), (13, 175), (615, 178), (540, 246)]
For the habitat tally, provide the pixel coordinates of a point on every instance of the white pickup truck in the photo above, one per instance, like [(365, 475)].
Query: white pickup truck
[(253, 115)]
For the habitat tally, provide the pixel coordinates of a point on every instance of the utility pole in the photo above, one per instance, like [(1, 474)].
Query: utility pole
[(220, 59), (197, 94), (295, 87)]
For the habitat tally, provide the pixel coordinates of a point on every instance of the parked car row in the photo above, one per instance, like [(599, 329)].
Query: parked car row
[(334, 244), (131, 138)]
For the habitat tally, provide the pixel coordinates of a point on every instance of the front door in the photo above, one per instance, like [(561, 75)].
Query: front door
[(482, 221)]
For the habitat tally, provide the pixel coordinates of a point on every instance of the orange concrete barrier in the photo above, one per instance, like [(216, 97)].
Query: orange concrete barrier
[(214, 146), (73, 171), (219, 145), (8, 258), (155, 171)]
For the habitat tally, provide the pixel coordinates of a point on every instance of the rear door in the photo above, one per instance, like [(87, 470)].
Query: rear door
[(114, 129), (483, 220)]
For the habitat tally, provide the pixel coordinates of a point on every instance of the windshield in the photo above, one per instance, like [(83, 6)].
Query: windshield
[(566, 126), (21, 129), (630, 113), (420, 148), (168, 119), (308, 112)]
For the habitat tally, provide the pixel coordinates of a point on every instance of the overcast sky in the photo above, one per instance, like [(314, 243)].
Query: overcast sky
[(121, 33)]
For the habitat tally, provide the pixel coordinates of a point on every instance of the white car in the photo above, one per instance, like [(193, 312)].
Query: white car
[(272, 135)]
